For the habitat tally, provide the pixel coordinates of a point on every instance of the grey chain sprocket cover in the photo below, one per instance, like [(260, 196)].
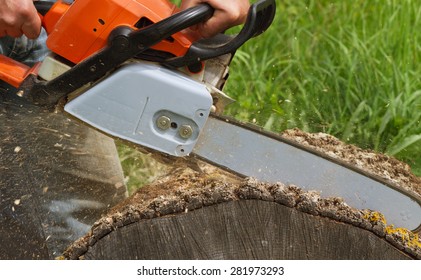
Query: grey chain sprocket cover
[(148, 105)]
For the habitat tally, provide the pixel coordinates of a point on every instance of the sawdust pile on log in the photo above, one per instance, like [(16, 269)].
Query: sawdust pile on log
[(389, 168)]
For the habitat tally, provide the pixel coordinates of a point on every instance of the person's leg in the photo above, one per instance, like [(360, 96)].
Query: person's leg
[(57, 176)]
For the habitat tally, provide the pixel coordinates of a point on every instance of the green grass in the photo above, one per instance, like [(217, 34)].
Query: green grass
[(348, 68)]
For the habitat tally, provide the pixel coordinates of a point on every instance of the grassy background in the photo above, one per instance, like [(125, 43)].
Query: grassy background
[(350, 68)]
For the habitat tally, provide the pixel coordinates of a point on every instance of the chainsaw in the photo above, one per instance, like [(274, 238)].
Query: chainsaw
[(134, 70)]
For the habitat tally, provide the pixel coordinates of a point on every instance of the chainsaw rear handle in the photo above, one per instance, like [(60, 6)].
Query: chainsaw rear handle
[(259, 18), (14, 72)]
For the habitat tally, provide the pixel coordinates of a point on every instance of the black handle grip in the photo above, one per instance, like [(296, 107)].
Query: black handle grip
[(260, 17), (183, 20)]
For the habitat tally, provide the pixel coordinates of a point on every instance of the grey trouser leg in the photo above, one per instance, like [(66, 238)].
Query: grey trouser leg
[(57, 176)]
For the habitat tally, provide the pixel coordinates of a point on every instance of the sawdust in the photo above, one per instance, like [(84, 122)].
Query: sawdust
[(396, 172)]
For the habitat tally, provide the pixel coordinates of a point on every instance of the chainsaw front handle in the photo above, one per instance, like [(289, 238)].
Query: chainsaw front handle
[(259, 18)]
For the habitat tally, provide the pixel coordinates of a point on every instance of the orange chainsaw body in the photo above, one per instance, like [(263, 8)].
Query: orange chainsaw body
[(86, 25)]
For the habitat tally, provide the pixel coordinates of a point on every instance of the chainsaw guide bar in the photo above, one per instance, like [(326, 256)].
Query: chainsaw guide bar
[(249, 151)]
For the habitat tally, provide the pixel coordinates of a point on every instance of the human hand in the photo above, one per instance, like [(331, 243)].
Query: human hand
[(227, 13), (19, 17)]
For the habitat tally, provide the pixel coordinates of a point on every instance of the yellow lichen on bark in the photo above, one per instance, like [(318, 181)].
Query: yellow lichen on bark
[(410, 238), (374, 216)]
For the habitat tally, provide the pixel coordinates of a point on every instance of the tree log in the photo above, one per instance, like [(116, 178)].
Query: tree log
[(216, 216)]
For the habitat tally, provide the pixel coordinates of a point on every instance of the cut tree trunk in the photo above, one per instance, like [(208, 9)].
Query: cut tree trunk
[(213, 215)]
